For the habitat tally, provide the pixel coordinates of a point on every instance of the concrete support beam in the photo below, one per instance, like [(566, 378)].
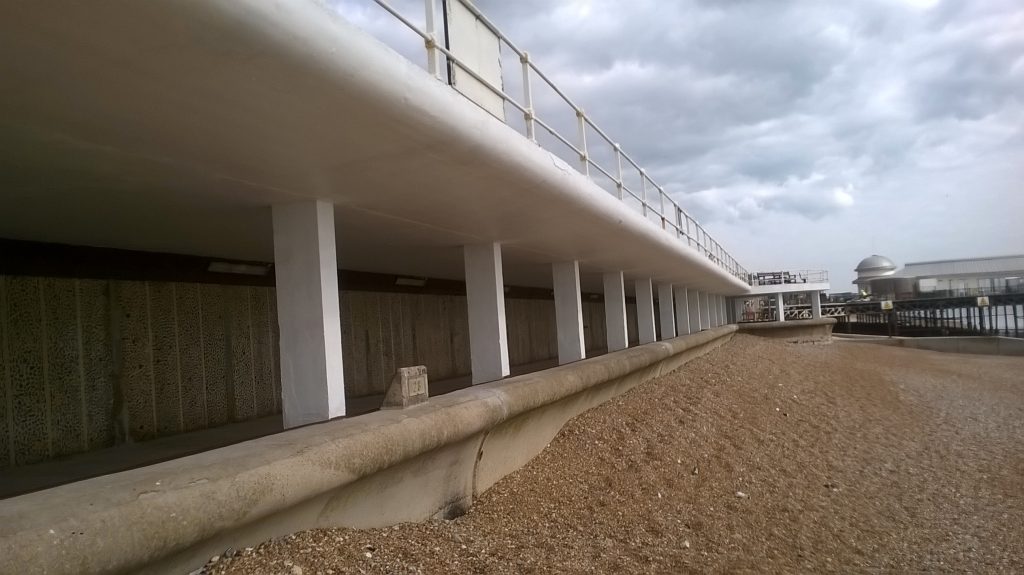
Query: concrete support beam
[(705, 311), (723, 314), (682, 311), (645, 311), (568, 311), (666, 311), (713, 309), (815, 304), (615, 311), (693, 309), (780, 308), (485, 296), (308, 312)]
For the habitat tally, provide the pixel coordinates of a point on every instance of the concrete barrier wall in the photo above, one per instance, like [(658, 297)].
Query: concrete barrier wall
[(802, 330), (374, 470), (980, 345)]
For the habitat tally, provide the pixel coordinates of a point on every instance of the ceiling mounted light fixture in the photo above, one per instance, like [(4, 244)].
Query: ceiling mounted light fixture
[(239, 268)]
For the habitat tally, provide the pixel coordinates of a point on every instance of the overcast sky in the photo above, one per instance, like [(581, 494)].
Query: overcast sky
[(803, 134)]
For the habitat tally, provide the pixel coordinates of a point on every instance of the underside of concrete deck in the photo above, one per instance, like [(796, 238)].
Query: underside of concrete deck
[(221, 109)]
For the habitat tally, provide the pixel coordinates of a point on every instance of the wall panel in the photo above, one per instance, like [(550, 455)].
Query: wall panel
[(29, 399), (6, 453), (263, 379), (216, 360), (241, 381), (63, 370), (94, 320), (191, 375), (164, 352)]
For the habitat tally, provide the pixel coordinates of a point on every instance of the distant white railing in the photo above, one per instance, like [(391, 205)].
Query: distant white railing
[(788, 277), (651, 197)]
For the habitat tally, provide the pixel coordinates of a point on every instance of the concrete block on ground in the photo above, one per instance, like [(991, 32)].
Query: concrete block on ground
[(408, 388)]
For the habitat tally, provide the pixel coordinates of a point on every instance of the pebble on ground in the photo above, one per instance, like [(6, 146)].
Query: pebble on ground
[(759, 456)]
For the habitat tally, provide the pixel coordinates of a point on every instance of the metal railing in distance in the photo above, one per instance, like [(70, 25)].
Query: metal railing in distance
[(788, 277), (629, 182)]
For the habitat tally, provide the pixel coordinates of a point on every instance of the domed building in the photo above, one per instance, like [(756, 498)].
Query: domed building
[(878, 277), (872, 267), (875, 276)]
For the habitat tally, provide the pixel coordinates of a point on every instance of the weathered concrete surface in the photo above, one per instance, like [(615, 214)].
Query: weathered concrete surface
[(379, 469), (802, 330), (980, 345)]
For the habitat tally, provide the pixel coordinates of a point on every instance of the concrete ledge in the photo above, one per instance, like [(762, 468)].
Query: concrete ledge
[(375, 470), (799, 330), (978, 345)]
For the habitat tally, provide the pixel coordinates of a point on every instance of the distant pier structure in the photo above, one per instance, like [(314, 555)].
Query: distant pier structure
[(973, 296)]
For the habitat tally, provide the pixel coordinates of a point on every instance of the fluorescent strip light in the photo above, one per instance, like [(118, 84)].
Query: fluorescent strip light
[(237, 268)]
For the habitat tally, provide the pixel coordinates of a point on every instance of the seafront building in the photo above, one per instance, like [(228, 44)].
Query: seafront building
[(229, 218), (879, 277)]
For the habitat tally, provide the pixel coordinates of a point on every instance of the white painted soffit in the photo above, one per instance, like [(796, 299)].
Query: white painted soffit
[(168, 125)]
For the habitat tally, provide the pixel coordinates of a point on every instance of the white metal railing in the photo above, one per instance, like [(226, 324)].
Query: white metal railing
[(651, 197), (788, 277)]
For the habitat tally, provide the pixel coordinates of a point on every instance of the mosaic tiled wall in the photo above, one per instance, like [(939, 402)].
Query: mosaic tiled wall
[(86, 364)]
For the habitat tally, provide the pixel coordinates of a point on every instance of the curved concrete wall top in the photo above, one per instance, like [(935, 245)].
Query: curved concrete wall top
[(221, 108)]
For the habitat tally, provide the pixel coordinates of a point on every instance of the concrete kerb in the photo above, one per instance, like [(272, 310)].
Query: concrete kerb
[(975, 345), (379, 469), (802, 330)]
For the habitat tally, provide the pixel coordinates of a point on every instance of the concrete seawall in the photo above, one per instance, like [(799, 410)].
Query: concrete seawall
[(387, 467), (979, 345), (803, 330)]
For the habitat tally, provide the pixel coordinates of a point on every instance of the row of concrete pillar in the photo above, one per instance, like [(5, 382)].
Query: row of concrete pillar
[(312, 383)]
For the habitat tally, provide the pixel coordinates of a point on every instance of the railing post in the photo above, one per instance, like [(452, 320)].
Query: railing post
[(618, 163), (581, 121), (433, 55), (661, 197), (643, 191), (528, 98)]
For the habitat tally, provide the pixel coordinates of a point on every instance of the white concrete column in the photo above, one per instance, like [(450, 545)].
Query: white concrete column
[(705, 310), (693, 304), (723, 315), (568, 311), (780, 309), (682, 311), (615, 311), (308, 312), (713, 303), (645, 311), (815, 304), (666, 311), (485, 296)]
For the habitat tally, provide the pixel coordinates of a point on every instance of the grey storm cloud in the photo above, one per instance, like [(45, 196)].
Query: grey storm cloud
[(816, 113)]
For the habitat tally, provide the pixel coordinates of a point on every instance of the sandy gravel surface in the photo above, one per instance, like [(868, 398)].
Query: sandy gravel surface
[(761, 456)]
